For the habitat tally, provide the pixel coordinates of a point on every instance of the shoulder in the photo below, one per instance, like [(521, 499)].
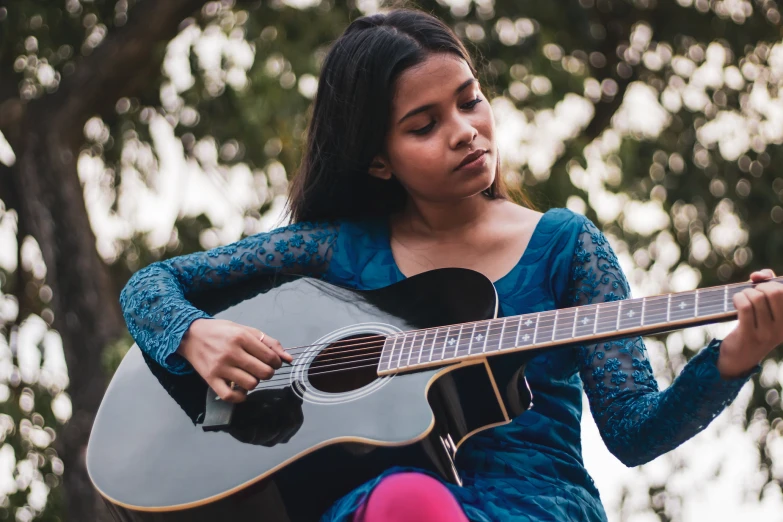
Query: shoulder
[(555, 223), (556, 216)]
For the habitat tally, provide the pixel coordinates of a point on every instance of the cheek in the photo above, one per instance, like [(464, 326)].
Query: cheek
[(487, 122), (419, 157)]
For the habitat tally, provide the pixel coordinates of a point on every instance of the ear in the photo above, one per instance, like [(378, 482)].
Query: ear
[(380, 168)]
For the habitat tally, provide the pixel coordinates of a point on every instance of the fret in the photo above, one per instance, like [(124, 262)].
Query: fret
[(394, 345), (606, 318), (711, 301), (409, 346), (586, 321), (668, 308), (402, 349), (526, 332), (619, 311), (566, 324), (655, 310), (545, 327), (573, 331), (535, 330), (502, 333), (410, 350), (455, 345), (734, 290), (682, 306), (466, 341), (595, 321), (644, 302), (387, 354), (486, 335), (631, 315), (725, 298), (435, 343), (507, 335), (554, 325), (696, 303), (421, 348), (446, 340)]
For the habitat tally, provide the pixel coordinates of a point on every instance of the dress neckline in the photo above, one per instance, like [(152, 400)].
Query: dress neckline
[(535, 238)]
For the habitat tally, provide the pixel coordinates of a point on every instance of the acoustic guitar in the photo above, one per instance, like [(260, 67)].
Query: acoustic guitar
[(401, 375)]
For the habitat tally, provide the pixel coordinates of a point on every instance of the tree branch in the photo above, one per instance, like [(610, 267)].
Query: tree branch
[(120, 66)]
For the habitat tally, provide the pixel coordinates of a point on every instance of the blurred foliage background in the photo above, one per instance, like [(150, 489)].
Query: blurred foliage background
[(136, 130)]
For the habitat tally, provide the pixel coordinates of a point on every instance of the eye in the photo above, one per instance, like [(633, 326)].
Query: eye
[(424, 130), (472, 103), (467, 106)]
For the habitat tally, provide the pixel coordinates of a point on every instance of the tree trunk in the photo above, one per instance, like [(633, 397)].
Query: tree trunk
[(46, 136)]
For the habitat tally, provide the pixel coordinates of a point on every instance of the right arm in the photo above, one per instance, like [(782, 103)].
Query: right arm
[(155, 300)]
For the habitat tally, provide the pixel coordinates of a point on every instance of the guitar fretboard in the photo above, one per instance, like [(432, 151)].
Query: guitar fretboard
[(589, 323)]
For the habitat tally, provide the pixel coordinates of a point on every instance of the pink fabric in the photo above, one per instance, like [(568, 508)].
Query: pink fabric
[(410, 497)]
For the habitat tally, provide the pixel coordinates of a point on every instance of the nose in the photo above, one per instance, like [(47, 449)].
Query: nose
[(463, 132)]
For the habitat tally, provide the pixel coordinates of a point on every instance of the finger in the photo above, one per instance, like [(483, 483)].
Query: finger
[(253, 366), (261, 351), (762, 275), (240, 377), (774, 293), (223, 391), (744, 310), (274, 345), (761, 308)]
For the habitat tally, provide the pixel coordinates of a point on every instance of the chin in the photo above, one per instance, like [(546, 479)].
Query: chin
[(477, 186), (486, 180)]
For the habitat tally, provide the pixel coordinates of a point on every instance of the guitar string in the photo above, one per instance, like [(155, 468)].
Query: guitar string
[(650, 304), (376, 349), (563, 313), (542, 315), (649, 300), (376, 357)]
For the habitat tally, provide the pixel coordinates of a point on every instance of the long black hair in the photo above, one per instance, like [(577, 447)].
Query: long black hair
[(351, 116)]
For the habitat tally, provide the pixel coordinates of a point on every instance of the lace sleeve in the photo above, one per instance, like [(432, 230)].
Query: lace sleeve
[(636, 421), (155, 300)]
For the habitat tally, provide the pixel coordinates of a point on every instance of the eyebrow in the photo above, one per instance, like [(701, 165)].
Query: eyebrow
[(423, 108)]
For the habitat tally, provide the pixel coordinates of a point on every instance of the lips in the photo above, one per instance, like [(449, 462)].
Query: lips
[(473, 156)]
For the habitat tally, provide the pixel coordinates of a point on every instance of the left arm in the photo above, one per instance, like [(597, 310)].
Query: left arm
[(636, 420)]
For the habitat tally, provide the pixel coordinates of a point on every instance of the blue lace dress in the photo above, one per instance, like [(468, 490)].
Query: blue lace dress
[(530, 469)]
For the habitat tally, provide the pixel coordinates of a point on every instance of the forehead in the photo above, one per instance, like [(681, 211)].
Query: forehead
[(436, 77)]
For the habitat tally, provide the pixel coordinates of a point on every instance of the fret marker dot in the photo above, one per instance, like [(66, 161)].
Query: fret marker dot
[(682, 305), (452, 341), (528, 322), (630, 314), (479, 337), (585, 321), (525, 337)]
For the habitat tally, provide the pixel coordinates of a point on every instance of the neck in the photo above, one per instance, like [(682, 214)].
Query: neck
[(436, 218)]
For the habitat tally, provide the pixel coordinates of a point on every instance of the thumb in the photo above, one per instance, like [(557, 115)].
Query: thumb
[(762, 275)]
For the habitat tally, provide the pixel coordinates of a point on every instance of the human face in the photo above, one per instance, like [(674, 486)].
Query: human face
[(439, 117)]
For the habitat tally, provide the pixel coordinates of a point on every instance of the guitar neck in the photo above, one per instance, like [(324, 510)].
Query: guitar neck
[(589, 324)]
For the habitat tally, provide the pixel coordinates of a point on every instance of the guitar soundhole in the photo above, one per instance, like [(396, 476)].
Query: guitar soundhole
[(347, 365)]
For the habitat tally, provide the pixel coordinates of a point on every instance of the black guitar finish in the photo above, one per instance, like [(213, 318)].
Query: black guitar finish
[(296, 445)]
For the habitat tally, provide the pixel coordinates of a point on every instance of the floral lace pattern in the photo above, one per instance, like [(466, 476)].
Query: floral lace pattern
[(154, 302), (638, 422)]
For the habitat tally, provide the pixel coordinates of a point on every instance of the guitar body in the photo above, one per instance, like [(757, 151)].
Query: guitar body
[(301, 440)]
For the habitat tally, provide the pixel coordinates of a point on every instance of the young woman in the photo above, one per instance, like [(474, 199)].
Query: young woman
[(400, 176)]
